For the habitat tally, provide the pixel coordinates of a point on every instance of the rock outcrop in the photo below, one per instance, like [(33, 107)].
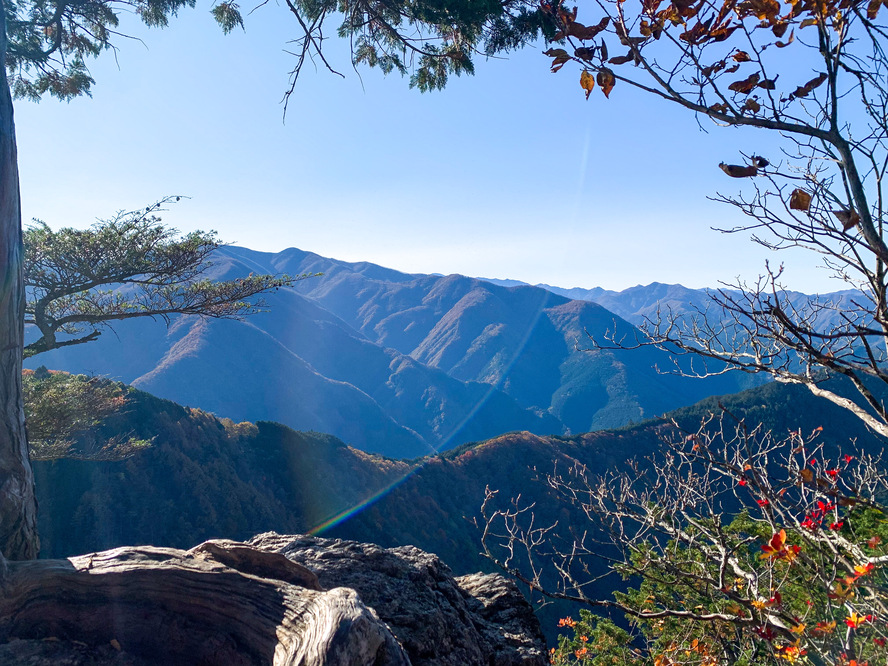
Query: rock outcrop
[(280, 600), (439, 620)]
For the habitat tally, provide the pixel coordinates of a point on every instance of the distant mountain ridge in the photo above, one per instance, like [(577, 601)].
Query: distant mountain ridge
[(642, 302), (394, 363)]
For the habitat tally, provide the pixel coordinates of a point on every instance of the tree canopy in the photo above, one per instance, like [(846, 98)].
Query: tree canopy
[(79, 281)]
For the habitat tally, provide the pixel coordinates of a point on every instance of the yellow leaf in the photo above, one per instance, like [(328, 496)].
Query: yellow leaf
[(587, 82)]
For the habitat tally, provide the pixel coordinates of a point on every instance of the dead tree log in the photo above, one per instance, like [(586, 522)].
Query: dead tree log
[(219, 603)]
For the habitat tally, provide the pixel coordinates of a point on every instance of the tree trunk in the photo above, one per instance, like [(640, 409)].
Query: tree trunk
[(18, 506)]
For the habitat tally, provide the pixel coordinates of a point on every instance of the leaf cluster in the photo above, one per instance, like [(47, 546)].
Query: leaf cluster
[(47, 42)]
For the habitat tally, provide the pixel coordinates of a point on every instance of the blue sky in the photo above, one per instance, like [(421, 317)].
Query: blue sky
[(510, 173)]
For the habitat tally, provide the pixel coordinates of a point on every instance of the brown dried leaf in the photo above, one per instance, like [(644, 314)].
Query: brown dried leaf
[(721, 34), (800, 200), (751, 105), (768, 84), (737, 171), (713, 68), (779, 29), (741, 56), (559, 57), (783, 45), (848, 218), (804, 90), (872, 9), (745, 86), (606, 80), (622, 60), (583, 32), (807, 475)]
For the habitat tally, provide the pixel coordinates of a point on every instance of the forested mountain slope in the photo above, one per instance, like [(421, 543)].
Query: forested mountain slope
[(204, 478), (402, 365)]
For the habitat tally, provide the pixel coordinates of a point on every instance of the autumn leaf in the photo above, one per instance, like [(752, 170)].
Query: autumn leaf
[(854, 620), (872, 9), (745, 86), (783, 45), (559, 56), (824, 628), (841, 593), (741, 56), (864, 569), (587, 82), (622, 60), (848, 218), (606, 80), (803, 91), (737, 171), (583, 32), (776, 548), (800, 200), (807, 475)]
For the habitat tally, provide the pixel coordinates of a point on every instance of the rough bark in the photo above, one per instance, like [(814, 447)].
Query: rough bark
[(175, 607), (18, 507)]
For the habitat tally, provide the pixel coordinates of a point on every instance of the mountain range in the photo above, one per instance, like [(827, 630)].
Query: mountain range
[(393, 363), (643, 303)]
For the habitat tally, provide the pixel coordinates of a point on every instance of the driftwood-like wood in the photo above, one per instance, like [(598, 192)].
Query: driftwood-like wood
[(187, 607)]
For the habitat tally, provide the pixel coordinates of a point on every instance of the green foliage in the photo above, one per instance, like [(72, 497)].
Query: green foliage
[(129, 266), (228, 16), (61, 409), (48, 42), (430, 41), (596, 641)]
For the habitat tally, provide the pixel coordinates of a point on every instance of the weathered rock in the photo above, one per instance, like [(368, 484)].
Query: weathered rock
[(170, 607), (476, 620), (264, 564), (280, 600)]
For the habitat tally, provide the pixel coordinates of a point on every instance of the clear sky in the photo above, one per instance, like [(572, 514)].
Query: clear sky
[(510, 173)]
